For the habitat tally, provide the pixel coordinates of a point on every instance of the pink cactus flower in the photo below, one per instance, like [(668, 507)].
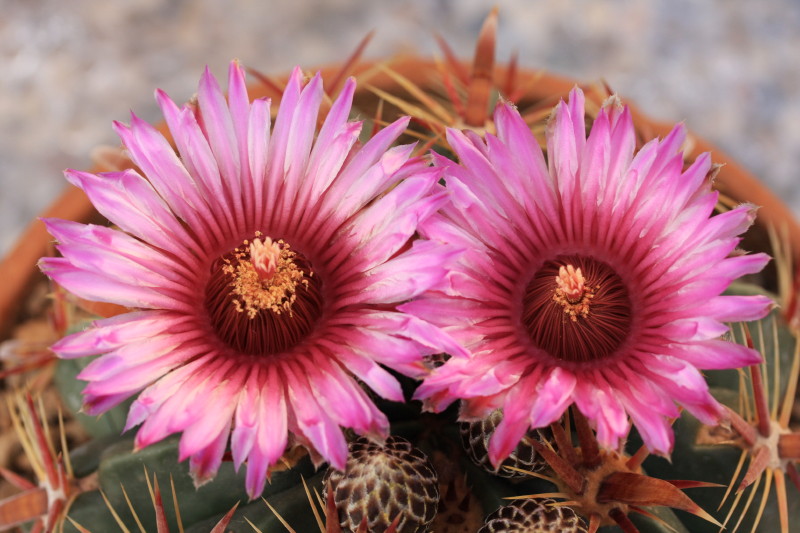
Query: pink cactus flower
[(263, 267), (593, 277)]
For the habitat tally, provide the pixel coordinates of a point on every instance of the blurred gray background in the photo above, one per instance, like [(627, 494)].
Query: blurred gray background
[(729, 68)]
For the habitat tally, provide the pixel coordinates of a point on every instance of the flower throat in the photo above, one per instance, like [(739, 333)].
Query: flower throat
[(263, 297), (577, 309)]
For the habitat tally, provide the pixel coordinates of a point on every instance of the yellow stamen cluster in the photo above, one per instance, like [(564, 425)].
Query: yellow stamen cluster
[(264, 276), (572, 293)]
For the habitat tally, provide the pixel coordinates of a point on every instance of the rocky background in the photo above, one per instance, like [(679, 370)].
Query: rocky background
[(729, 68)]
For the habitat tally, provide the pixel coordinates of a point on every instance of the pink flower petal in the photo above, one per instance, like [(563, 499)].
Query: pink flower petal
[(372, 374), (716, 354), (152, 153), (514, 425), (313, 422), (217, 126), (409, 203), (598, 402), (246, 420), (203, 434), (273, 410), (553, 396), (130, 202), (204, 464), (693, 329), (92, 286), (406, 276), (112, 333)]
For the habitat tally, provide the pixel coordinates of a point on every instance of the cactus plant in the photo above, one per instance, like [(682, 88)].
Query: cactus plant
[(584, 473)]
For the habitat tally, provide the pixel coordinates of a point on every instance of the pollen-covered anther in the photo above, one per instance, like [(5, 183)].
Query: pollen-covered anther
[(572, 293), (264, 277)]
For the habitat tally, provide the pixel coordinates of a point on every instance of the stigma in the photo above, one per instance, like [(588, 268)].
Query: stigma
[(572, 292)]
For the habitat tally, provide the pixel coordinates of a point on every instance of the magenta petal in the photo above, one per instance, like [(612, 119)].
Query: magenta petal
[(238, 101), (258, 136), (654, 430), (97, 405), (597, 401), (408, 204), (735, 267), (217, 125), (126, 199), (245, 425), (406, 276), (738, 308), (372, 374), (73, 234), (716, 355), (326, 157), (355, 410), (133, 378), (152, 153), (377, 178), (175, 413), (256, 476), (313, 423), (562, 143), (693, 329), (513, 427), (375, 151), (94, 287), (112, 333), (153, 397), (205, 463), (553, 396), (272, 436), (199, 436), (280, 132), (413, 328), (400, 354), (688, 387), (301, 135)]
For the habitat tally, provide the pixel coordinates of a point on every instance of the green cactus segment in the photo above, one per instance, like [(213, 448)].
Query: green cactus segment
[(715, 464), (665, 521), (86, 458), (292, 505), (493, 491), (90, 511), (707, 454), (119, 466)]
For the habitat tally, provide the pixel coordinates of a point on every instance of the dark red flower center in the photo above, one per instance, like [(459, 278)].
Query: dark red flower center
[(577, 308), (263, 297)]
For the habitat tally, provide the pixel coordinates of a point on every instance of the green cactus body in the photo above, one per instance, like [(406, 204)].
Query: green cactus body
[(120, 467), (708, 454)]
